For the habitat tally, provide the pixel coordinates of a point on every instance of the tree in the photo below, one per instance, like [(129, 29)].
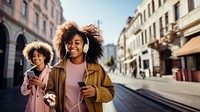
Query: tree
[(110, 62)]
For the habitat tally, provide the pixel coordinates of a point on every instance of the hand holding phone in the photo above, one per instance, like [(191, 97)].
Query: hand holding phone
[(31, 74), (81, 84)]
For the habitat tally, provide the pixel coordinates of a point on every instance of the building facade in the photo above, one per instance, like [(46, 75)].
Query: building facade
[(157, 31), (21, 22), (121, 52)]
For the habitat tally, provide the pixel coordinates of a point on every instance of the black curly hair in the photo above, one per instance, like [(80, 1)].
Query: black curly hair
[(90, 32)]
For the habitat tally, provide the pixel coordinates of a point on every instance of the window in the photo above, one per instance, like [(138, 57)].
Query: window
[(142, 38), (150, 35), (161, 27), (44, 26), (57, 16), (166, 20), (191, 5), (144, 15), (177, 11), (149, 10), (154, 30), (51, 32), (153, 6), (46, 4), (52, 11), (146, 64), (24, 8), (145, 33), (139, 40), (36, 20), (159, 3)]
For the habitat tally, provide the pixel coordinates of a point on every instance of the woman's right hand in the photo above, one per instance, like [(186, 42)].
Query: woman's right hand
[(50, 100)]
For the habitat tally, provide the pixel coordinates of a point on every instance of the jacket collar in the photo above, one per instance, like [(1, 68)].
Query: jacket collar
[(61, 64)]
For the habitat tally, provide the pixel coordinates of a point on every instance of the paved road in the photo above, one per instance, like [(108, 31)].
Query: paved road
[(12, 100)]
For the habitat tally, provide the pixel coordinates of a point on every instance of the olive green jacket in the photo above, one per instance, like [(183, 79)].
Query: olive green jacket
[(97, 77)]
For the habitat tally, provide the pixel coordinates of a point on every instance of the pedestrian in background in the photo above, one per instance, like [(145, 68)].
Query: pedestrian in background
[(40, 54), (78, 50)]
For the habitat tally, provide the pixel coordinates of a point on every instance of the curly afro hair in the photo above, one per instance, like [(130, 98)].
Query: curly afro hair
[(42, 48), (68, 29)]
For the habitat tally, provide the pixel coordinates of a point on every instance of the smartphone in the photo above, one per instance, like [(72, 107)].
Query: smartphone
[(31, 74), (81, 84)]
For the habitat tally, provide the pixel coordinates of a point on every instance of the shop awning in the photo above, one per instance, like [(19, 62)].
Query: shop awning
[(130, 60), (191, 47)]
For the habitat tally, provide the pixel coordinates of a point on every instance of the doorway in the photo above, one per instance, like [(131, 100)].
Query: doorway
[(19, 61)]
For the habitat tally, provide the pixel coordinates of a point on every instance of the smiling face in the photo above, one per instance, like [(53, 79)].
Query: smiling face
[(75, 48), (38, 58)]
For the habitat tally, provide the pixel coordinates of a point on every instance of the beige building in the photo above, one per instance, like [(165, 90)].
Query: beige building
[(154, 36), (121, 49), (21, 22)]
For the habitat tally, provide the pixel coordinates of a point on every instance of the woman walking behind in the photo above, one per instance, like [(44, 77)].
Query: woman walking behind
[(40, 54)]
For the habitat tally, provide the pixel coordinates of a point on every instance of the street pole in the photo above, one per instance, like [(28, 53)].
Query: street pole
[(98, 23)]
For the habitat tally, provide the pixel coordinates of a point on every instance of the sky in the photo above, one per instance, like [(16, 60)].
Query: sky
[(111, 14)]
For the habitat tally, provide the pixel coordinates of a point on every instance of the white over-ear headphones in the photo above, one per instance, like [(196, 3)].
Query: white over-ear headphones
[(86, 46), (66, 49)]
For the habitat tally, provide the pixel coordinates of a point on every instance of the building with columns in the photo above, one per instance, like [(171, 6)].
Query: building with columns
[(21, 22)]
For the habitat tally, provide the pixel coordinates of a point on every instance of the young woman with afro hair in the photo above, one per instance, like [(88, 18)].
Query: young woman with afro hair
[(40, 54), (78, 51)]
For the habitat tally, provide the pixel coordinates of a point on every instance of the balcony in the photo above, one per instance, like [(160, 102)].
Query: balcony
[(169, 33), (154, 44), (137, 30)]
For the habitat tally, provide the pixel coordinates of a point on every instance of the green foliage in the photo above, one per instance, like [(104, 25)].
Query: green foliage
[(110, 61)]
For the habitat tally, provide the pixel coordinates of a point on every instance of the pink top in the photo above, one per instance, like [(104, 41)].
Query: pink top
[(74, 74)]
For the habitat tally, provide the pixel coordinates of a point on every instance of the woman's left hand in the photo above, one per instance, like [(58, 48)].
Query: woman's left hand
[(88, 91)]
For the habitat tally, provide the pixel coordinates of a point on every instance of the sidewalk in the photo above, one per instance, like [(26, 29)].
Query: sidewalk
[(184, 92)]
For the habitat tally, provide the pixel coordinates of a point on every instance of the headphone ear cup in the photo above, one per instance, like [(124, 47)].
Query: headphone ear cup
[(66, 48), (85, 48)]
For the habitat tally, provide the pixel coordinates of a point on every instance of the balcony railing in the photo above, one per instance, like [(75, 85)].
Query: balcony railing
[(168, 33)]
